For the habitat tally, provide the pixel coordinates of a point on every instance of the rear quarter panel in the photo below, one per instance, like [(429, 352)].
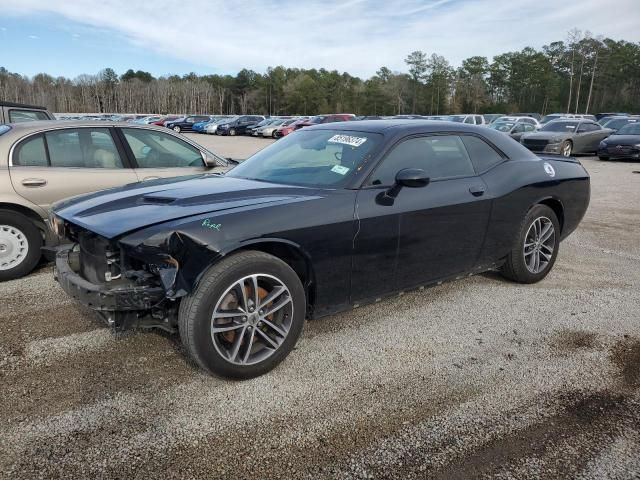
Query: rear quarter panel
[(517, 185)]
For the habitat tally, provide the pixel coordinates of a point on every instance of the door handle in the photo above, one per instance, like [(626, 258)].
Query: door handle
[(477, 190), (34, 182)]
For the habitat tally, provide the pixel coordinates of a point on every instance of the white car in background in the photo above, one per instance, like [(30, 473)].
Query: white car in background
[(527, 120), (469, 119)]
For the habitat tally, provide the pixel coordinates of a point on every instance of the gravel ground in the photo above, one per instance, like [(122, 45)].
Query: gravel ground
[(476, 378)]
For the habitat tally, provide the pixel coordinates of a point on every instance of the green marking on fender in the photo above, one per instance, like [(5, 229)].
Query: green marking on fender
[(213, 226)]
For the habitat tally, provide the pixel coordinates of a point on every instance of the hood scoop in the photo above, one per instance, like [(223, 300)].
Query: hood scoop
[(157, 200)]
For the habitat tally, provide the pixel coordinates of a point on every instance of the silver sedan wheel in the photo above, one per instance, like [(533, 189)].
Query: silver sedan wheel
[(566, 150), (539, 243), (252, 319), (14, 247)]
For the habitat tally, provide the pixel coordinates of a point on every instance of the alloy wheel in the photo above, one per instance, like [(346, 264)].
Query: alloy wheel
[(539, 244), (566, 150), (252, 319)]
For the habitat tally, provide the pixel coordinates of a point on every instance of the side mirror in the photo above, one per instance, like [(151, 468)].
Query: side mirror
[(211, 161), (407, 177), (412, 178)]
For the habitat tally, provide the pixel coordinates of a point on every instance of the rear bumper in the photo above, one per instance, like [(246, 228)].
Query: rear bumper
[(103, 297)]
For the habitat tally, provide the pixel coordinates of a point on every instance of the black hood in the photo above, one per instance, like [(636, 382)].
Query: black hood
[(114, 212)]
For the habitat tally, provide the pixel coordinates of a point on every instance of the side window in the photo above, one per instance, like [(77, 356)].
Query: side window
[(528, 127), (468, 120), (82, 148), (592, 127), (482, 154), (17, 116), (440, 156), (478, 120), (517, 128), (160, 150), (31, 153)]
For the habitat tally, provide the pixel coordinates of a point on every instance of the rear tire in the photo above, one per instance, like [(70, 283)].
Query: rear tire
[(232, 132), (536, 247), (20, 244), (240, 351), (177, 129)]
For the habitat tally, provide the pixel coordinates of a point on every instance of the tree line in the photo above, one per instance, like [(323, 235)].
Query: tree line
[(580, 74)]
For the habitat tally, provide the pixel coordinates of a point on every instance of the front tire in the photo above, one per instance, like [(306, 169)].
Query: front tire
[(20, 243), (244, 317), (177, 129), (566, 148), (232, 132), (536, 247)]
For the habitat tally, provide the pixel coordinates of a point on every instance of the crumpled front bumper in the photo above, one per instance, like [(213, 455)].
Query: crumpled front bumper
[(103, 297)]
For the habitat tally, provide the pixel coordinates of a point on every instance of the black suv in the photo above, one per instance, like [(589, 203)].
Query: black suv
[(186, 124), (19, 112), (238, 125)]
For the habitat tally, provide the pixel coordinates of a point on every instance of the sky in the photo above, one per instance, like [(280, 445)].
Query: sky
[(72, 37)]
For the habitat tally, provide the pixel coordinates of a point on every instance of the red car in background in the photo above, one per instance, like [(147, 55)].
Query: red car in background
[(289, 126), (316, 120), (335, 117), (168, 118)]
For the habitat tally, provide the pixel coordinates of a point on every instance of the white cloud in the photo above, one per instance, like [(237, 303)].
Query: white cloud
[(357, 36), (33, 37)]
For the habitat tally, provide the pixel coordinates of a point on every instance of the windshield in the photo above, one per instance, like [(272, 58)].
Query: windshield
[(629, 129), (548, 118), (502, 126), (325, 158), (316, 119), (457, 118), (616, 123), (560, 126)]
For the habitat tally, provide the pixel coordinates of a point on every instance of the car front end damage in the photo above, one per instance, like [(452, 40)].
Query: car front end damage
[(129, 286)]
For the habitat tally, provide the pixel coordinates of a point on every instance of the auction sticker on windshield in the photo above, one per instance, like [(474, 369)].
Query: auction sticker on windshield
[(347, 140), (340, 169)]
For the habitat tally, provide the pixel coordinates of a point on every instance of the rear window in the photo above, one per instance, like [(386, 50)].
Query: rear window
[(18, 116), (31, 153)]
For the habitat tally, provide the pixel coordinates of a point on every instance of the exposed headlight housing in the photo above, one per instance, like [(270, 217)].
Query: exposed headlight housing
[(56, 225)]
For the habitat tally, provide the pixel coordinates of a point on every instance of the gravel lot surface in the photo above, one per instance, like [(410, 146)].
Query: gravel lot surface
[(476, 378)]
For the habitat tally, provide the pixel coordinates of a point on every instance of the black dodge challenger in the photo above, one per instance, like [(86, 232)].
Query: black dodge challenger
[(327, 219)]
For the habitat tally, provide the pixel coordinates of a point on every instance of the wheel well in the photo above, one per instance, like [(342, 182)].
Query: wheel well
[(557, 208), (27, 212), (296, 260)]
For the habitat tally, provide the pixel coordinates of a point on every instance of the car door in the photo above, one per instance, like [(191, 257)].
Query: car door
[(158, 154), (423, 234), (598, 134), (61, 163), (590, 136)]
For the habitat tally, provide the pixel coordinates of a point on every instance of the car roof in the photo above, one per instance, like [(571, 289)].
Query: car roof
[(387, 126), (25, 128), (20, 105)]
